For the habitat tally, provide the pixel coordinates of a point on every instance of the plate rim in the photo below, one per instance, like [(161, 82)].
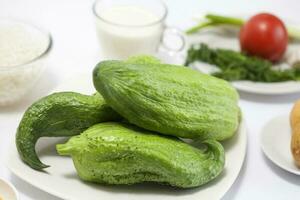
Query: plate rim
[(239, 85), (266, 152)]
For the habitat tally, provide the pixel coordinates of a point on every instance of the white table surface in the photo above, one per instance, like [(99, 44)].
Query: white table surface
[(75, 50)]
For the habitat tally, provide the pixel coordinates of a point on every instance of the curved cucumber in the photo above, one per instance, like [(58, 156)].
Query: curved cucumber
[(115, 153), (59, 114)]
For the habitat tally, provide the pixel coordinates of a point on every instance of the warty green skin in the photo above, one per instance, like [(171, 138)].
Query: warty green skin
[(169, 99), (59, 114), (116, 153)]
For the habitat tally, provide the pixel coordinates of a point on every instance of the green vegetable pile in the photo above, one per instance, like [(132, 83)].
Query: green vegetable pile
[(238, 66), (129, 131)]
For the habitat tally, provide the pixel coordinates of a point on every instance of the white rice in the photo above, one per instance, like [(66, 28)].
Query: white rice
[(20, 45)]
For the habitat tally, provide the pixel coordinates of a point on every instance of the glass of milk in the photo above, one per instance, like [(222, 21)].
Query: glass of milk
[(132, 27)]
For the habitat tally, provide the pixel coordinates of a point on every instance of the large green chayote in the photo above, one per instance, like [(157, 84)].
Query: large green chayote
[(116, 153), (169, 99)]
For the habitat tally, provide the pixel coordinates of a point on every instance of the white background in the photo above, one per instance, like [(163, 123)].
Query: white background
[(75, 50)]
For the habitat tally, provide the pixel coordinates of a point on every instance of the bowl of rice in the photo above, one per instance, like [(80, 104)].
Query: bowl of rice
[(23, 52)]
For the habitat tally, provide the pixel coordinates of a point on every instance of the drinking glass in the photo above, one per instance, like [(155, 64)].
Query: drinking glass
[(122, 35)]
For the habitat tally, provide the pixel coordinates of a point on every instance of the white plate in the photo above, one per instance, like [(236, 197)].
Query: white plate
[(275, 142), (223, 37), (61, 178), (7, 191), (287, 87)]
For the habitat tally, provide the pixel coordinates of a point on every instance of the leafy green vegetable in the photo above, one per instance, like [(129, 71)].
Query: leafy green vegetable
[(216, 20), (238, 66)]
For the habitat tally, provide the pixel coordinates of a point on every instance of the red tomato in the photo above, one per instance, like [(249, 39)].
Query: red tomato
[(264, 35)]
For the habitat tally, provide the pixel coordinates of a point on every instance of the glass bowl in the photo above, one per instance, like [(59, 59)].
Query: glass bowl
[(20, 73), (7, 190)]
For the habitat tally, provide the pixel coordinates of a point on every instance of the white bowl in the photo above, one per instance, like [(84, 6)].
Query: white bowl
[(7, 191)]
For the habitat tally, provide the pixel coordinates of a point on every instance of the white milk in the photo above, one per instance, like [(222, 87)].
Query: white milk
[(128, 30)]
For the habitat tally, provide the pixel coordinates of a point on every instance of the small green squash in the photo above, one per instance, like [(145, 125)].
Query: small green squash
[(56, 115), (116, 153)]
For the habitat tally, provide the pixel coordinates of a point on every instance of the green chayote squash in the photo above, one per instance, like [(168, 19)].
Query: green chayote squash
[(116, 153), (169, 99), (59, 114)]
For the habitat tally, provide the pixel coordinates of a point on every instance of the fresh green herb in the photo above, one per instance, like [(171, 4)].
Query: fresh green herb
[(238, 66), (211, 20)]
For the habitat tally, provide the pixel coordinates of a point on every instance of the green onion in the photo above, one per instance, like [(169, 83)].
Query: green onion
[(212, 20)]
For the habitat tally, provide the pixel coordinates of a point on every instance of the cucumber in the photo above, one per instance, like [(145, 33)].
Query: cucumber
[(56, 115)]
